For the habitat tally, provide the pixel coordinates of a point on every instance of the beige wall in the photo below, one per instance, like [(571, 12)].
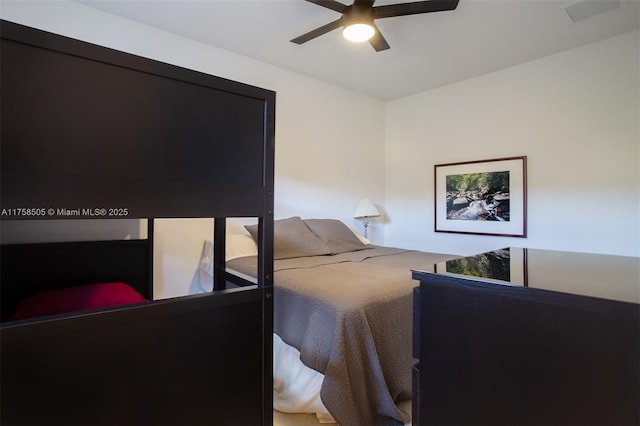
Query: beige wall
[(574, 115)]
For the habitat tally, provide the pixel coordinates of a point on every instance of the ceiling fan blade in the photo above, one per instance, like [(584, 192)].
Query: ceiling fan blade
[(330, 4), (402, 9), (363, 2), (318, 32), (377, 41)]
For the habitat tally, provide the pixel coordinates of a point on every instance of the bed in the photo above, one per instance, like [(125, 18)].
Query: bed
[(346, 307), (93, 133)]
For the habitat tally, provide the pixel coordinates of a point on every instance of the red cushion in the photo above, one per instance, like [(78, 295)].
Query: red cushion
[(72, 299)]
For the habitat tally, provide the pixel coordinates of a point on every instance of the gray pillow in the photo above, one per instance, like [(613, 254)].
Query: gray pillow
[(336, 235), (292, 238)]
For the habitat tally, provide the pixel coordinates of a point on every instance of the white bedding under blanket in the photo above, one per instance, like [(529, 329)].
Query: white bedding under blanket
[(296, 387)]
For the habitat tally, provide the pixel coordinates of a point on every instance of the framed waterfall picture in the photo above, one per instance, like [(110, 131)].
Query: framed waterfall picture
[(487, 197)]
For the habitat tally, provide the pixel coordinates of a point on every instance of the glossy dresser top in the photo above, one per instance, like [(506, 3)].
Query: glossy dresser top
[(585, 274)]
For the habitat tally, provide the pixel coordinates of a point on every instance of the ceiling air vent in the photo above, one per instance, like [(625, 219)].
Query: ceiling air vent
[(587, 8)]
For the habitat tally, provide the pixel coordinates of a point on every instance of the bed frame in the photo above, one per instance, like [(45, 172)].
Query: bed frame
[(88, 133)]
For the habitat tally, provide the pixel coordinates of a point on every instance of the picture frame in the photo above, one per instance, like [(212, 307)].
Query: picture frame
[(486, 197)]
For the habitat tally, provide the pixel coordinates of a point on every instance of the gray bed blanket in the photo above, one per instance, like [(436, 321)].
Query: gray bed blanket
[(350, 316)]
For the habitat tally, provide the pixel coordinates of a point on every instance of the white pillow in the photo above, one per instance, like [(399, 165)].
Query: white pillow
[(240, 245), (237, 245), (205, 270)]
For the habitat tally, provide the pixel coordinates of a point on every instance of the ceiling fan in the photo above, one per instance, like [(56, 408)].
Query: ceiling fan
[(358, 18)]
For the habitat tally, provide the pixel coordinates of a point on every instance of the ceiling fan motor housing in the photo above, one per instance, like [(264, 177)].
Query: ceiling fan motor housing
[(357, 14)]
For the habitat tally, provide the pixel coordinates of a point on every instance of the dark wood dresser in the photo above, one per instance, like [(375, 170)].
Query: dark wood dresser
[(528, 337)]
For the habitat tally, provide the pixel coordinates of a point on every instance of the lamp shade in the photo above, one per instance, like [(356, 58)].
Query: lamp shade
[(366, 209)]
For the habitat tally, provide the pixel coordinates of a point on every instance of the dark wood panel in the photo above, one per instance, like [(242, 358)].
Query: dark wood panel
[(110, 130), (190, 361), (492, 354), (71, 197)]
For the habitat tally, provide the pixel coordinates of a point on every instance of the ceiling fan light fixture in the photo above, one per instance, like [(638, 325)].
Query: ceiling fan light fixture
[(358, 32), (358, 19)]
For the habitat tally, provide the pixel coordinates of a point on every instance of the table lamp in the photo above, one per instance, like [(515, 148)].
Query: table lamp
[(365, 210)]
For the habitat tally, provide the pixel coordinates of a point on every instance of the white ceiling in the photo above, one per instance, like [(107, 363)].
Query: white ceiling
[(427, 50)]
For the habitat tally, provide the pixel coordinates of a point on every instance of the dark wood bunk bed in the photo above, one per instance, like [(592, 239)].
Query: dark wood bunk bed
[(88, 132)]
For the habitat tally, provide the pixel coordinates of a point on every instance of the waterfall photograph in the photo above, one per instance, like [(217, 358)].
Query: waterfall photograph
[(486, 197), (478, 196)]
